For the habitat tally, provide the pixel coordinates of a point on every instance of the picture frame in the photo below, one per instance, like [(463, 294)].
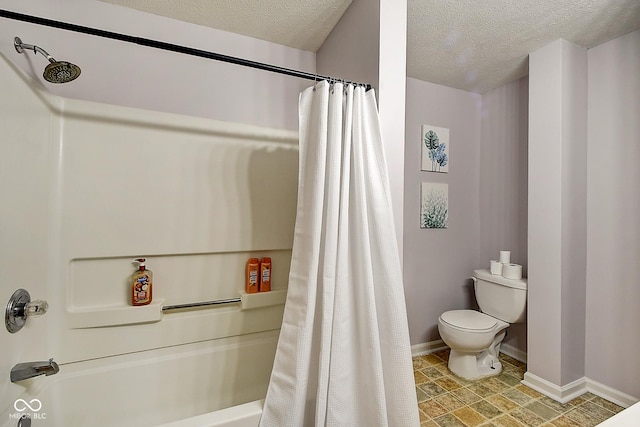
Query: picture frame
[(434, 206), (435, 149)]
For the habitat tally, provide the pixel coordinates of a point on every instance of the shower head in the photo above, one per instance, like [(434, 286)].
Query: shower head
[(60, 72), (56, 71)]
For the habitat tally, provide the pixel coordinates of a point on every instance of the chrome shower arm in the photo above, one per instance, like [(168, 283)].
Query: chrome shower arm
[(21, 47), (56, 71)]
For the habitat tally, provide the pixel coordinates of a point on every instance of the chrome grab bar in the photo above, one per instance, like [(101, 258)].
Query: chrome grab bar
[(201, 304)]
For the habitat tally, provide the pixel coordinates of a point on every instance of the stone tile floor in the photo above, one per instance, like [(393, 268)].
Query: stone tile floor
[(446, 400)]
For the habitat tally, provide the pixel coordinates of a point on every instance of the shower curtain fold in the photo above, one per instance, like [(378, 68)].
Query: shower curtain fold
[(343, 356)]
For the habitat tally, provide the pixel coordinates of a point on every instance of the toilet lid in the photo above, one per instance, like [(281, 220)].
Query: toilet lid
[(469, 319)]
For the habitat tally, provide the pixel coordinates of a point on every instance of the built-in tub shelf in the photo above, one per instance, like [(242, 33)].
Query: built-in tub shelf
[(98, 317), (262, 299)]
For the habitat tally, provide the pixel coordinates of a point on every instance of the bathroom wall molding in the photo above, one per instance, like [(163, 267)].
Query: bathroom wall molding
[(562, 394), (611, 394), (427, 348), (576, 388)]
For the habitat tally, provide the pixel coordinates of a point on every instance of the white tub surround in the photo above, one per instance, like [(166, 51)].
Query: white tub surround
[(87, 188)]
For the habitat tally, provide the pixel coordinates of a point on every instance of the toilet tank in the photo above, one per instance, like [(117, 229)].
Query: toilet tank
[(504, 299)]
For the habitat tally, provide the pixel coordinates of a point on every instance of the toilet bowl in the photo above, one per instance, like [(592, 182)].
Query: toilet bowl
[(475, 336), (474, 339)]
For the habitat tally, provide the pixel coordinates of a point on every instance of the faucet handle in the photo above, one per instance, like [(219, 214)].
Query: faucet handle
[(36, 308), (20, 307)]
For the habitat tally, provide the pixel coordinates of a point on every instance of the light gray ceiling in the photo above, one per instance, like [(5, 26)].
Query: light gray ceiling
[(467, 44)]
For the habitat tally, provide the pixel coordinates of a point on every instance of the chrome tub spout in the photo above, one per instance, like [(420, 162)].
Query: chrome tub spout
[(23, 371)]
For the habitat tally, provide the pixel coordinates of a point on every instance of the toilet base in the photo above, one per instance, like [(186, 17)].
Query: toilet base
[(473, 366)]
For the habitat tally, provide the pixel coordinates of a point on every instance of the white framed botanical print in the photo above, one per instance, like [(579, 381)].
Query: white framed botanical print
[(434, 209), (435, 149)]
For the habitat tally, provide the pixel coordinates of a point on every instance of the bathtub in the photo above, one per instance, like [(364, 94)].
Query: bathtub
[(215, 383), (245, 415)]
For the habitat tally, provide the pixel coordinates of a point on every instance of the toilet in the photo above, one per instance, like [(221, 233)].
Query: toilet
[(475, 336)]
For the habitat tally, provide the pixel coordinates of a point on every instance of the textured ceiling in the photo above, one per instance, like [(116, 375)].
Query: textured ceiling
[(479, 45), (467, 44)]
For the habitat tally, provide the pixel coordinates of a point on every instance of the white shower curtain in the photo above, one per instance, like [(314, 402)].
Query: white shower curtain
[(343, 357)]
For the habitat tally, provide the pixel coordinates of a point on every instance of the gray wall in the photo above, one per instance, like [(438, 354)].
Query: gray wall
[(613, 215), (574, 211), (439, 262), (503, 171), (503, 182), (352, 50)]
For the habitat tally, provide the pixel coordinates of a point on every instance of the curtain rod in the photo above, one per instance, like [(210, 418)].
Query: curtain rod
[(172, 47)]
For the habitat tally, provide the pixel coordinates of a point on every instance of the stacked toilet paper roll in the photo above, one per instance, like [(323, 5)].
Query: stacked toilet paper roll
[(505, 268), (496, 267), (512, 271)]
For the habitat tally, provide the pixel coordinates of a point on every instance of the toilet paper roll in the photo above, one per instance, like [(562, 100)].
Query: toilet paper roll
[(512, 271), (505, 257), (496, 267)]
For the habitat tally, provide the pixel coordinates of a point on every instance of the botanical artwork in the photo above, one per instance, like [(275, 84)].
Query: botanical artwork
[(434, 212), (435, 149)]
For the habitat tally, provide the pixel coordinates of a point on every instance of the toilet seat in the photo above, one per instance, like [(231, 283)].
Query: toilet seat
[(470, 321)]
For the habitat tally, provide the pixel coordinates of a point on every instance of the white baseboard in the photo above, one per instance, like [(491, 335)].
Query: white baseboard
[(560, 394), (610, 394), (516, 353), (576, 388), (428, 348)]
